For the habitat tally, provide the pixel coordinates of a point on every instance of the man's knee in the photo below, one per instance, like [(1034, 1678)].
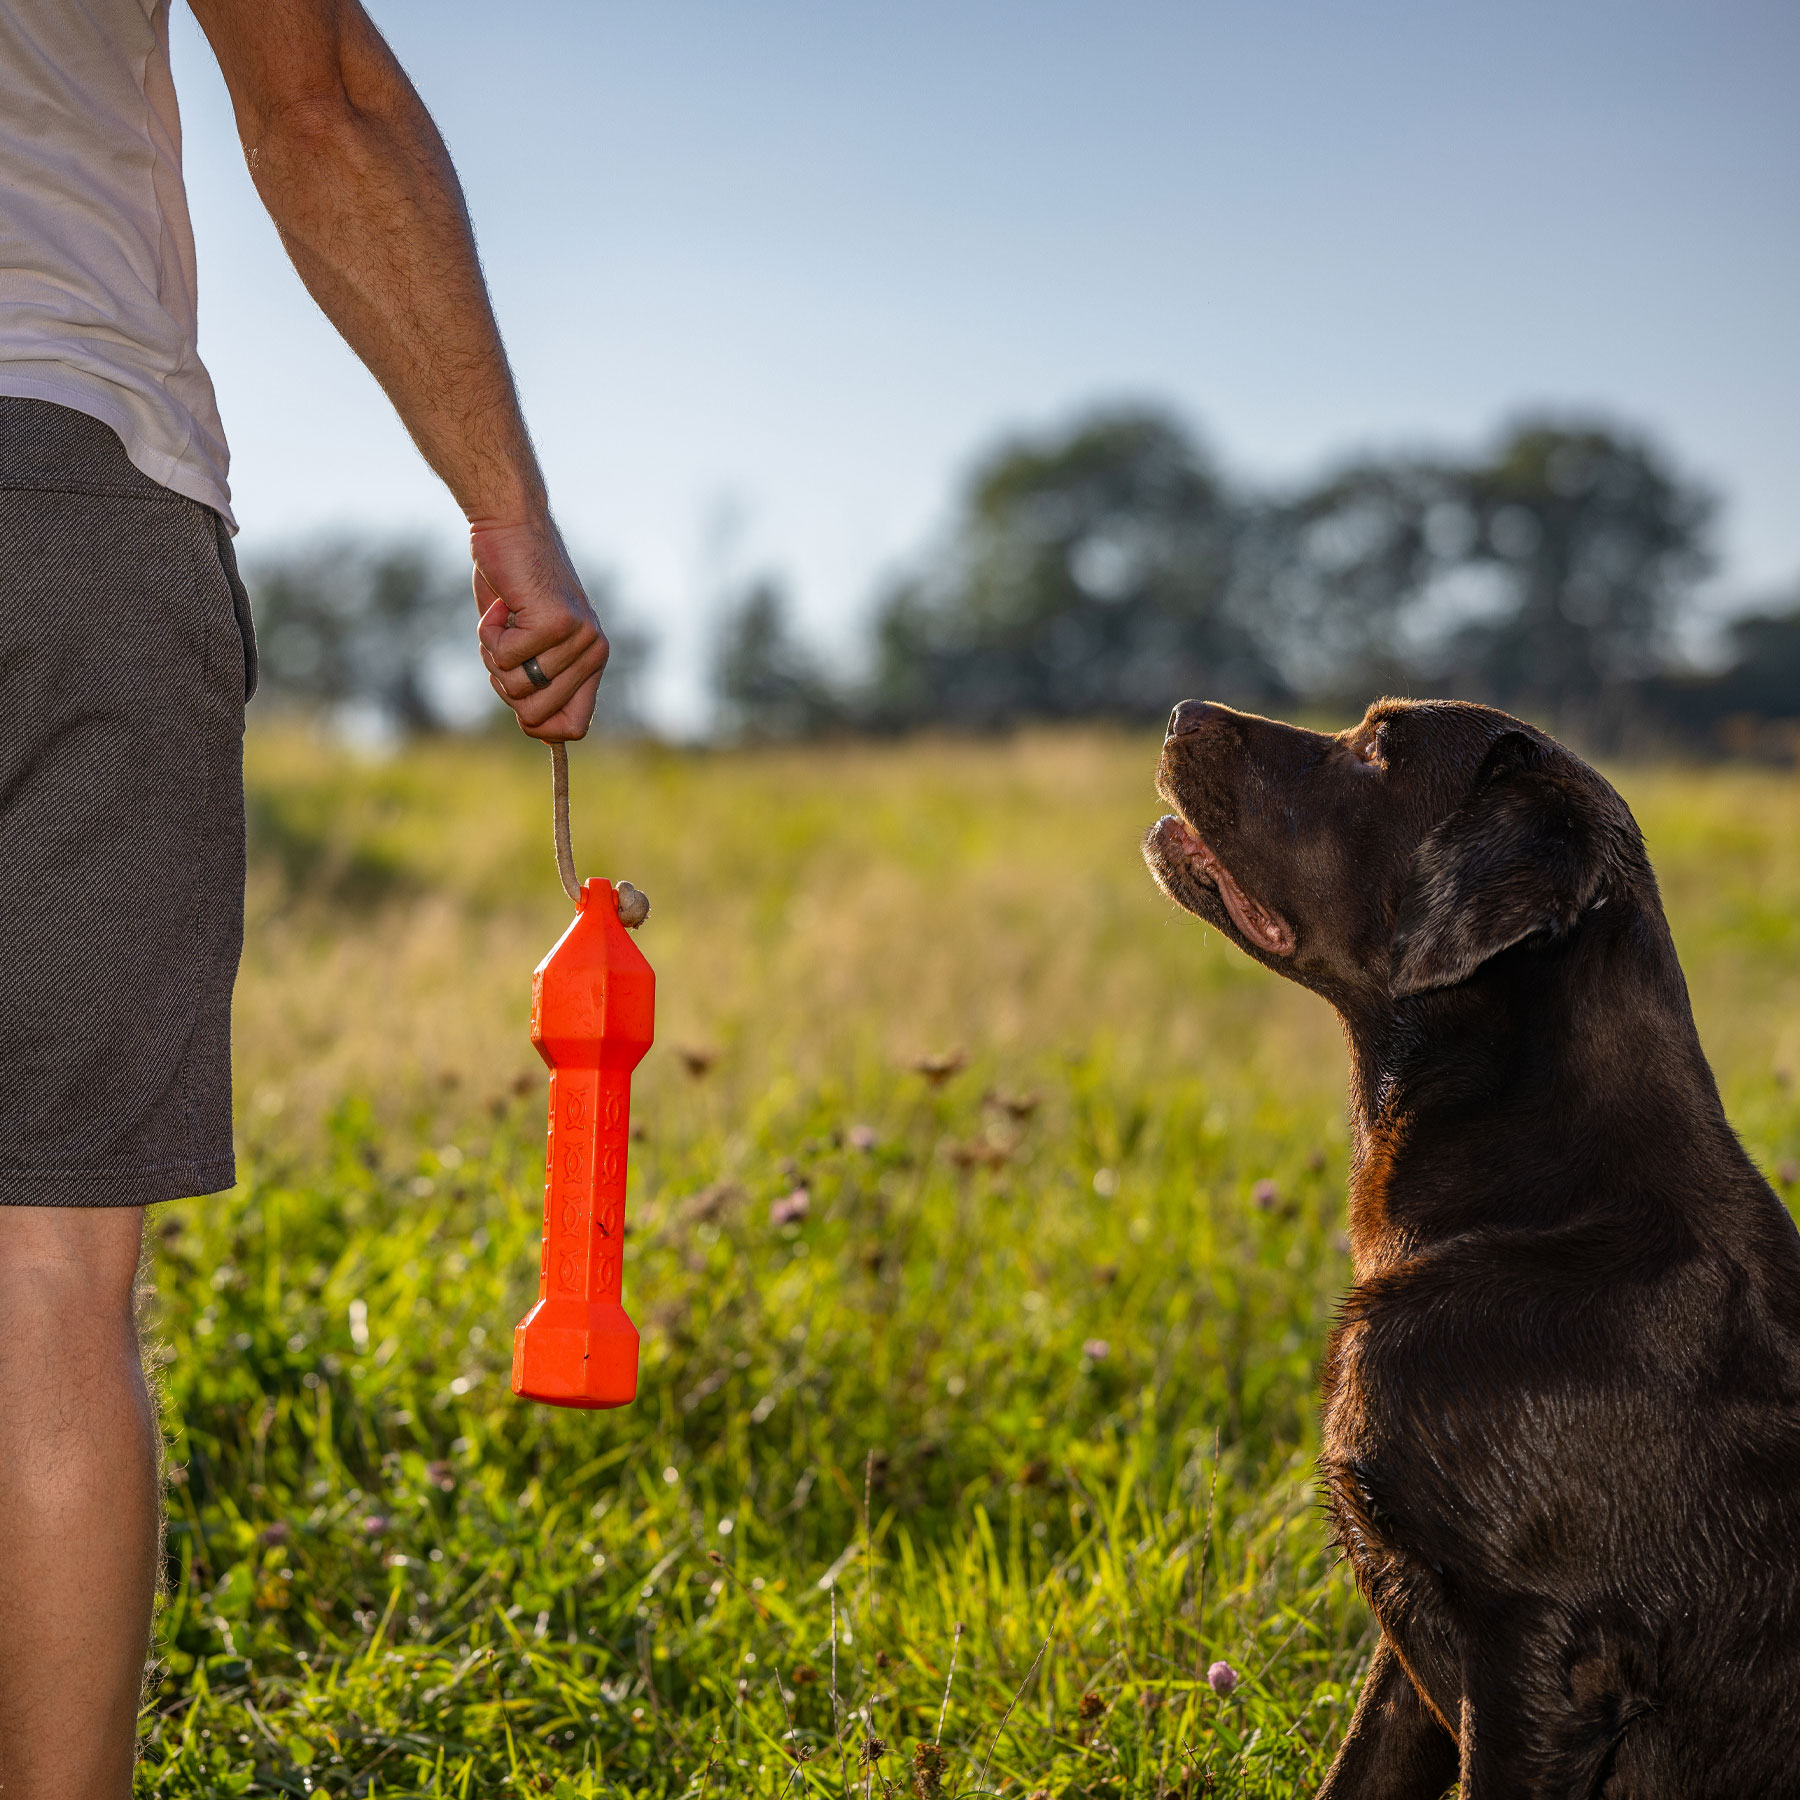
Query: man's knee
[(77, 1263)]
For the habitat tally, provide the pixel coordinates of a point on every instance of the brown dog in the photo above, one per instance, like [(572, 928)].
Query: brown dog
[(1562, 1404)]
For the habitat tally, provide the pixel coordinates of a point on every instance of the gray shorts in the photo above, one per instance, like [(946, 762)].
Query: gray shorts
[(126, 655)]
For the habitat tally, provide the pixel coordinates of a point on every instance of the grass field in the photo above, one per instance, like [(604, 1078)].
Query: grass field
[(957, 1481)]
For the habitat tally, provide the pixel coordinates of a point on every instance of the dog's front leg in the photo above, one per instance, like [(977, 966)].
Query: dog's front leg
[(1396, 1748)]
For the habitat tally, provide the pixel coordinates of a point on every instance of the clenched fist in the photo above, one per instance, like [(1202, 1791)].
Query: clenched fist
[(533, 610)]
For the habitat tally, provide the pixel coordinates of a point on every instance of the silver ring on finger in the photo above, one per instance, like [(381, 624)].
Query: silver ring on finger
[(534, 672)]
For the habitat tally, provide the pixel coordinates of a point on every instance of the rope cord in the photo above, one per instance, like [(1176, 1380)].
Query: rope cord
[(559, 795), (634, 904)]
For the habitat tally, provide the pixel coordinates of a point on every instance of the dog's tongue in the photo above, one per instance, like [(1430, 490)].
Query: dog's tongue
[(1267, 930), (1255, 921)]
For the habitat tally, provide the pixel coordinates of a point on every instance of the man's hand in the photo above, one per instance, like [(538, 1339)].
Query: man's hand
[(532, 606), (360, 187)]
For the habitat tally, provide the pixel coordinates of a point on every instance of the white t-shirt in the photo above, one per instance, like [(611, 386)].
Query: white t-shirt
[(97, 295)]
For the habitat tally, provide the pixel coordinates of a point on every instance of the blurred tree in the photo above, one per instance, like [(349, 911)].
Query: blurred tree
[(769, 685), (384, 632), (1544, 578), (351, 622), (1763, 676), (1342, 573), (1759, 685), (1090, 575), (1596, 544)]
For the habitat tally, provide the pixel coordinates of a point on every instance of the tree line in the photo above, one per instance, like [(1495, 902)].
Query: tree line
[(379, 633), (1105, 569)]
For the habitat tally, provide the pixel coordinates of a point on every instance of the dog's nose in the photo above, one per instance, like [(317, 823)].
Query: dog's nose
[(1190, 715)]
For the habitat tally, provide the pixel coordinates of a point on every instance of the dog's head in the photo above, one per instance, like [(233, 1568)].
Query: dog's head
[(1393, 859)]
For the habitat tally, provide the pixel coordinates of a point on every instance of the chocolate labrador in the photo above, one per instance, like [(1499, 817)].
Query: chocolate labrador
[(1561, 1444)]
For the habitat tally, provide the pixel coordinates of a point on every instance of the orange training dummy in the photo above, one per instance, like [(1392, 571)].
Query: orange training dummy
[(593, 1006)]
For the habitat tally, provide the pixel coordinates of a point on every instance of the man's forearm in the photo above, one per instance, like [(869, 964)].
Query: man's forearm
[(360, 186), (362, 190)]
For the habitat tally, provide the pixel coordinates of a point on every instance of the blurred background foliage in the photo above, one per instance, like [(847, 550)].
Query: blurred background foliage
[(377, 634), (1103, 570), (1092, 574)]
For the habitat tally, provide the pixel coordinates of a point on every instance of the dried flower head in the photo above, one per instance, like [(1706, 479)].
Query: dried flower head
[(702, 1208), (928, 1766), (791, 1208), (1088, 1707), (939, 1068)]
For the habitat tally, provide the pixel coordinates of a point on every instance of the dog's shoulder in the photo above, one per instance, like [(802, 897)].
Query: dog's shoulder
[(1543, 1369)]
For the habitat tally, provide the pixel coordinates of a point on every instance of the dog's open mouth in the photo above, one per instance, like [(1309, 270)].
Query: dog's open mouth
[(1261, 925)]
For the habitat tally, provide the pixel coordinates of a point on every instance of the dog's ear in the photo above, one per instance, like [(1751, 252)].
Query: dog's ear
[(1525, 853)]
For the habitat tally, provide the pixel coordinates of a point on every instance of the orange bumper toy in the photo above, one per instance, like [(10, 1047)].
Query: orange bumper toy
[(593, 1009)]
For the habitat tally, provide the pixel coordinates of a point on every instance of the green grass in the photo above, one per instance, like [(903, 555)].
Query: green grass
[(1029, 1389)]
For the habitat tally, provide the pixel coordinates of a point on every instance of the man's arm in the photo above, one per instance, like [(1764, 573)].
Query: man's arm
[(362, 191)]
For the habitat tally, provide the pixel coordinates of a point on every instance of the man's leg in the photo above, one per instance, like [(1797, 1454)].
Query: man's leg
[(78, 1502), (124, 657)]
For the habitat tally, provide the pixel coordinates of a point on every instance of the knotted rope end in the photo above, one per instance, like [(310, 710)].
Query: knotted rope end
[(634, 905)]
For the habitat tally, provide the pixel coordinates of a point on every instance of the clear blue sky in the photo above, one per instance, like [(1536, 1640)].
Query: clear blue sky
[(771, 272)]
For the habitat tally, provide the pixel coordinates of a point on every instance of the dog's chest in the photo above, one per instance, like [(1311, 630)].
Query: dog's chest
[(1391, 1465), (1357, 1455)]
